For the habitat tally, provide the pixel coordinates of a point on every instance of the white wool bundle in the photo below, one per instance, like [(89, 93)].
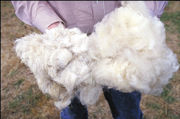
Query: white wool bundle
[(130, 51), (59, 62), (127, 52)]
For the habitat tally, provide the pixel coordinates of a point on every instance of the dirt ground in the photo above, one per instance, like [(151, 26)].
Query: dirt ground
[(21, 98)]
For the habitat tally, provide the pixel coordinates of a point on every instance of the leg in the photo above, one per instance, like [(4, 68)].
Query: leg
[(75, 111), (123, 105)]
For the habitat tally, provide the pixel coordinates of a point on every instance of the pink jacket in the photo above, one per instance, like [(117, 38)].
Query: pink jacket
[(81, 14)]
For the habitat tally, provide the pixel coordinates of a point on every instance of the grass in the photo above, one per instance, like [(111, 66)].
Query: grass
[(12, 73), (173, 18), (25, 101), (154, 106), (166, 94), (18, 83), (179, 44)]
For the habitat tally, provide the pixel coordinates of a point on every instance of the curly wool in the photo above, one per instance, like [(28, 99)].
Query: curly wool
[(127, 52), (131, 52), (58, 60)]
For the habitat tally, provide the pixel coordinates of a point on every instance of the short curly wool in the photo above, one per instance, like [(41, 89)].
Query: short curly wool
[(127, 51)]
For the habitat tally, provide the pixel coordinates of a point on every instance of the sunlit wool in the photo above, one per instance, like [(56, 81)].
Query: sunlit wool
[(127, 51)]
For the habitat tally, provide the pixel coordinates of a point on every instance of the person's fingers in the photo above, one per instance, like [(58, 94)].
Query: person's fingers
[(53, 25)]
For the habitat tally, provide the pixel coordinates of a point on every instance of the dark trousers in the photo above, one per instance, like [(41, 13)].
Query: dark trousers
[(122, 105)]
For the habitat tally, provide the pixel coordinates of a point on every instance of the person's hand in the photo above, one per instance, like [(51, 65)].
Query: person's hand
[(55, 24)]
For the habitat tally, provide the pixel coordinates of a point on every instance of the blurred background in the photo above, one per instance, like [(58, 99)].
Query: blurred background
[(21, 98)]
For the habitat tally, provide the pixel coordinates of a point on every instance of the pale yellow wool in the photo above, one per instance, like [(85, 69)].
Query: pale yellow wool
[(127, 52)]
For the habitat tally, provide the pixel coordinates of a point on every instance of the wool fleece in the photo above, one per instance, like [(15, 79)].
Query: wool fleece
[(127, 51)]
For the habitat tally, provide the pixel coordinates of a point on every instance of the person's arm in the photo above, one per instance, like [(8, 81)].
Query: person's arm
[(37, 13), (156, 7)]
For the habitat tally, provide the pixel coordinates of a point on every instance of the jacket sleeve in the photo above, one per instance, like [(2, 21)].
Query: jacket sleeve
[(36, 13), (156, 7)]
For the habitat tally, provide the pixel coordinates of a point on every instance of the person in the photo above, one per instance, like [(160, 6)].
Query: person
[(84, 15)]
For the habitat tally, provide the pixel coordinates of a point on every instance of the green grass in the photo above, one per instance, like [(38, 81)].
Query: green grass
[(12, 73), (174, 18), (18, 83), (179, 44), (25, 101), (166, 94), (154, 106)]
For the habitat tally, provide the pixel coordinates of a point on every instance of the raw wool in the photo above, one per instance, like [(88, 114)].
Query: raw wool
[(130, 51), (127, 52), (58, 60)]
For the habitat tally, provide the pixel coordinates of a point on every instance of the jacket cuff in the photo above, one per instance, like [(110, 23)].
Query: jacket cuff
[(44, 18)]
